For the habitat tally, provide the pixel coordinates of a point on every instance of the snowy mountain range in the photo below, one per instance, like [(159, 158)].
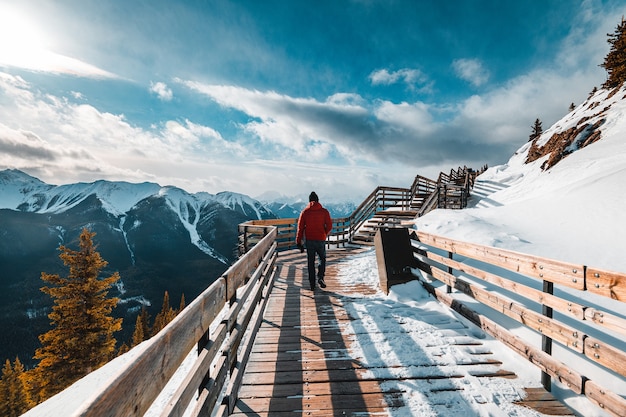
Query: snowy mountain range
[(158, 238)]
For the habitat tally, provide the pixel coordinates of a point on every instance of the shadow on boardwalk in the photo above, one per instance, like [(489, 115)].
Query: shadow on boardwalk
[(350, 350)]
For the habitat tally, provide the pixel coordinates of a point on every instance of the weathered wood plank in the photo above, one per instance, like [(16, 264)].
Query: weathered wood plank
[(606, 355), (605, 399), (557, 303), (568, 274), (240, 271), (189, 387), (607, 283), (545, 362), (335, 403), (323, 388), (565, 334), (606, 319), (130, 393)]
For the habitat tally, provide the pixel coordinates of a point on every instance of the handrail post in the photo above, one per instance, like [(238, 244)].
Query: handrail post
[(546, 342), (448, 287)]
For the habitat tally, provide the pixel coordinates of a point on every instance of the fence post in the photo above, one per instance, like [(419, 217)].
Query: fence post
[(546, 342), (243, 245), (384, 200), (449, 288), (439, 197)]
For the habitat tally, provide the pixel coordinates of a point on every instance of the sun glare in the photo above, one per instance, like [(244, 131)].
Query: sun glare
[(22, 44)]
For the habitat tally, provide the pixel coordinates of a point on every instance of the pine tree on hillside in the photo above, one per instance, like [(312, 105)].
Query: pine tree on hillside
[(537, 130), (142, 328), (123, 349), (615, 61), (14, 398), (181, 306), (572, 107), (166, 315), (81, 339)]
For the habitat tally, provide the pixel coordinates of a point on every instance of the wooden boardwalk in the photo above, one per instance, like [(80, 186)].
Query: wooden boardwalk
[(301, 362)]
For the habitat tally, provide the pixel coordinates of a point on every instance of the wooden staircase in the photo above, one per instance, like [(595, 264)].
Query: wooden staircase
[(389, 218), (384, 207), (395, 206)]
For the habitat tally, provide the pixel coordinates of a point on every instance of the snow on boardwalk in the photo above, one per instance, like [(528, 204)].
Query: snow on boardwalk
[(351, 350)]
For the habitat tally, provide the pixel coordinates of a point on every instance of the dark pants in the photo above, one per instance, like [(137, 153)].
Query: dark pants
[(314, 247)]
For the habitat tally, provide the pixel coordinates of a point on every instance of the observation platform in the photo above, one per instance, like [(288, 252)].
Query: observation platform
[(305, 358)]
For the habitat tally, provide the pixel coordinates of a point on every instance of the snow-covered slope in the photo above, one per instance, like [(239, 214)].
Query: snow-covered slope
[(22, 192), (243, 204), (573, 211)]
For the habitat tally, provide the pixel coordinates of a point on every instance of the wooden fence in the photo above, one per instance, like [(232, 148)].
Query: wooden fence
[(521, 287), (220, 324)]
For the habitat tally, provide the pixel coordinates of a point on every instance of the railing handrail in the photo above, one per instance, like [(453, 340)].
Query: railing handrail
[(580, 333), (221, 323)]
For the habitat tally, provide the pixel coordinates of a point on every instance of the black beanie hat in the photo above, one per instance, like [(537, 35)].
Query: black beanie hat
[(313, 197)]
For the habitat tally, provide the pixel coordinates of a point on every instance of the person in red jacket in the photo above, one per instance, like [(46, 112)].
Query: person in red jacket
[(314, 225)]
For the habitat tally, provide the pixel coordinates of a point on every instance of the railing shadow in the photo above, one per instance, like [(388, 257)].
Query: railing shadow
[(287, 358), (399, 354), (344, 388)]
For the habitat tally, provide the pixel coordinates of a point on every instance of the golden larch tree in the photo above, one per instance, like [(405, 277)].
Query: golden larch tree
[(14, 398), (81, 339)]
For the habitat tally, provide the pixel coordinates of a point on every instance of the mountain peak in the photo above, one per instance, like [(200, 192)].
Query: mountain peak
[(15, 176)]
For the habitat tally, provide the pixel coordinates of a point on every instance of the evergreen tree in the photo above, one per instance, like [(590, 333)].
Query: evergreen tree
[(81, 339), (14, 399), (572, 106), (537, 130), (166, 315), (145, 322), (123, 349), (181, 306), (142, 328), (615, 61)]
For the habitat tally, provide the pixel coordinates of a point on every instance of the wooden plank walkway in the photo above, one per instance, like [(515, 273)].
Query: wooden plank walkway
[(301, 362)]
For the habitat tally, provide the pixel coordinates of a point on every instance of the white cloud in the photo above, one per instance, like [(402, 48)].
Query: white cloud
[(471, 70), (69, 142), (416, 117), (297, 125), (162, 91), (411, 77)]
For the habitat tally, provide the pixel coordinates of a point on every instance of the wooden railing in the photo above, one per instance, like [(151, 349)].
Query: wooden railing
[(344, 228), (521, 287), (220, 324), (449, 191)]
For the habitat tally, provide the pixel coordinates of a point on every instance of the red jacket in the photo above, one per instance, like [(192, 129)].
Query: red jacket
[(314, 223)]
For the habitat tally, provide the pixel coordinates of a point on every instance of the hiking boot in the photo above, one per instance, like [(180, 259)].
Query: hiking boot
[(321, 282)]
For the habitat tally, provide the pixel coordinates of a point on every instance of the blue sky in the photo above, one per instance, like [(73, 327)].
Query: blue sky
[(287, 96)]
